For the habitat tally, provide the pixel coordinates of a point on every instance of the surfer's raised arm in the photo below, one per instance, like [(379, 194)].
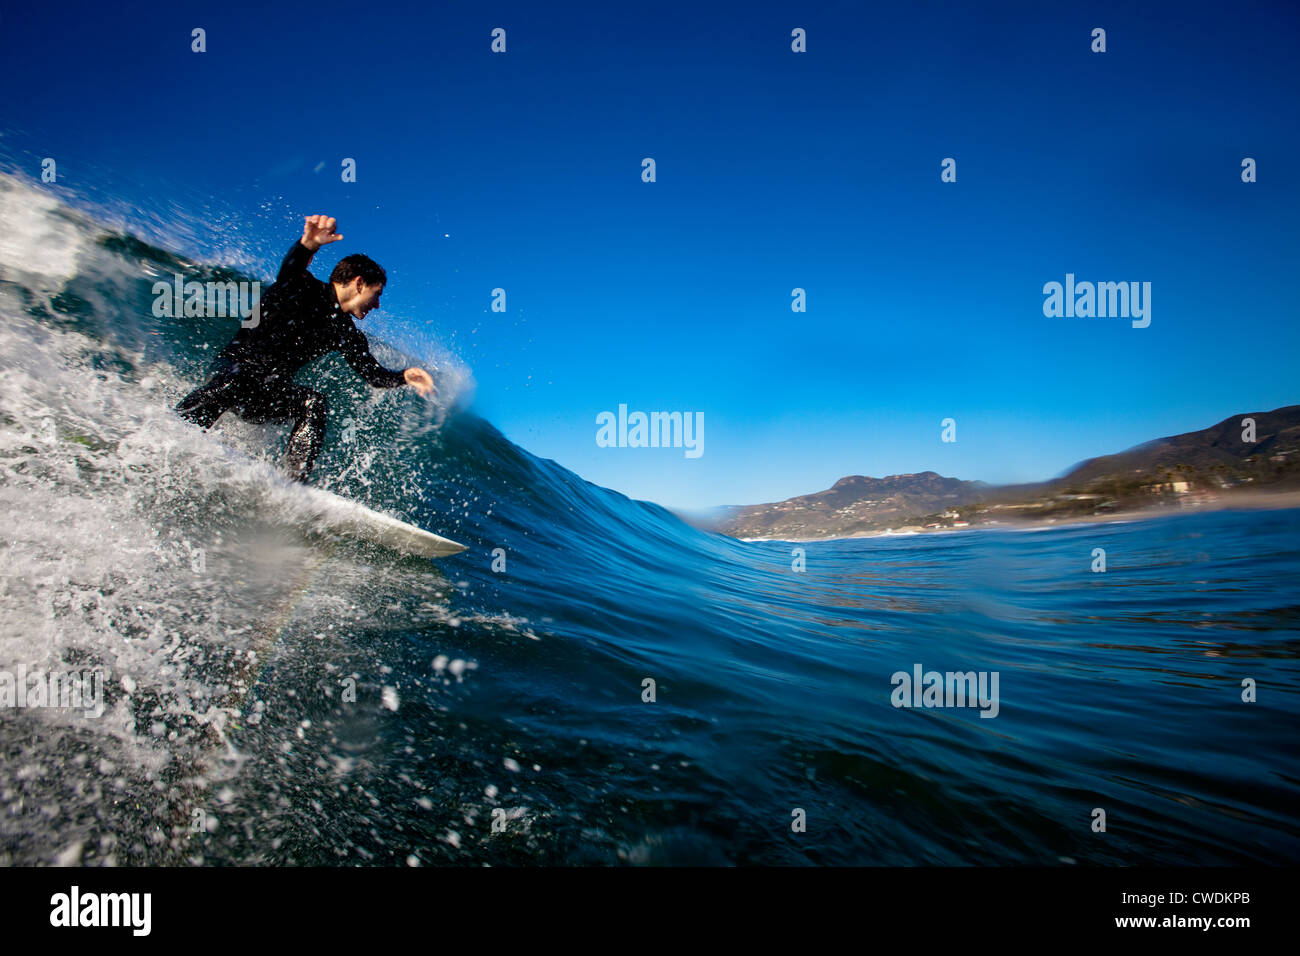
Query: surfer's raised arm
[(316, 232)]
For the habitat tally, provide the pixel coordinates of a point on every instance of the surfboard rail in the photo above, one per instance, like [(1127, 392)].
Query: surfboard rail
[(351, 518)]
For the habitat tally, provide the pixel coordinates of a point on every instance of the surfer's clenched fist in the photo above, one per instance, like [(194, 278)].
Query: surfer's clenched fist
[(319, 230)]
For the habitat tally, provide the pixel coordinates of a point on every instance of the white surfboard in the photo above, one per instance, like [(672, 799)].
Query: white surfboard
[(310, 505), (348, 517)]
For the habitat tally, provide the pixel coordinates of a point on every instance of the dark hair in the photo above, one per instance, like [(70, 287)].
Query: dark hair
[(350, 267)]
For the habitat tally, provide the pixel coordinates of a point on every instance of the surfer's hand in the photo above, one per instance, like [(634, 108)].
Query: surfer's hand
[(318, 230), (420, 379)]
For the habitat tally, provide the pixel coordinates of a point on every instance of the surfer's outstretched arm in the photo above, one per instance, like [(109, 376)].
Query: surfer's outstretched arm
[(356, 352)]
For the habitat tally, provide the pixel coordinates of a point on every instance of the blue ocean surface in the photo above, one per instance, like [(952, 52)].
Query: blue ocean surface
[(593, 682)]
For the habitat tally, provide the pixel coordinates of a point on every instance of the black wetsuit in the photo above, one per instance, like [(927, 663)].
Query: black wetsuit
[(300, 320)]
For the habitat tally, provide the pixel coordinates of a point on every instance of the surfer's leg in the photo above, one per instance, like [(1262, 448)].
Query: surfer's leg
[(204, 405), (309, 410), (305, 407)]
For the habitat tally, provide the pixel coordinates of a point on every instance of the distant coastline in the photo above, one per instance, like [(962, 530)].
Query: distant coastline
[(1248, 460), (1226, 501)]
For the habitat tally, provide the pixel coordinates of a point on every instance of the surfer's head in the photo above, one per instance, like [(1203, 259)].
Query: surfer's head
[(358, 282)]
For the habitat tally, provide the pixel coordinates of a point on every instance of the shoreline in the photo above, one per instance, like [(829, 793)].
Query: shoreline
[(1223, 501)]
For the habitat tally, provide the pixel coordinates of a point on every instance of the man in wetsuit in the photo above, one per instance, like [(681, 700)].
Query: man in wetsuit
[(300, 319)]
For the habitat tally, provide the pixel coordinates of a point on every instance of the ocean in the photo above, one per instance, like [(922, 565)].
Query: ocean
[(594, 681)]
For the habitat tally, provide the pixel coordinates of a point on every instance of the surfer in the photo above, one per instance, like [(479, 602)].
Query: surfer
[(300, 319)]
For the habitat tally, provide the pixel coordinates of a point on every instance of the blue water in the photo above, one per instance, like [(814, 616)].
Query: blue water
[(1119, 690), (500, 711)]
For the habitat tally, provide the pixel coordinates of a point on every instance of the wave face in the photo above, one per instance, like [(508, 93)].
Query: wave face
[(277, 696)]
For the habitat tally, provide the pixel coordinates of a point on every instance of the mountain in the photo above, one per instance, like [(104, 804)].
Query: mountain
[(853, 505), (1201, 455), (1191, 468)]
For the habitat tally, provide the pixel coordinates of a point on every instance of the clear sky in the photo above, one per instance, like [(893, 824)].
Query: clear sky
[(775, 170)]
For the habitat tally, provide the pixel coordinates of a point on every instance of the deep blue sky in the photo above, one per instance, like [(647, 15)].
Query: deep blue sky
[(775, 170)]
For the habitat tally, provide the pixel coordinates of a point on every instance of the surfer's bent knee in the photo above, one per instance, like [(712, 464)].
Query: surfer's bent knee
[(316, 406)]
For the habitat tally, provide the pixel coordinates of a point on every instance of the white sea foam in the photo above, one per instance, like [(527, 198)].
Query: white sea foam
[(131, 539)]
